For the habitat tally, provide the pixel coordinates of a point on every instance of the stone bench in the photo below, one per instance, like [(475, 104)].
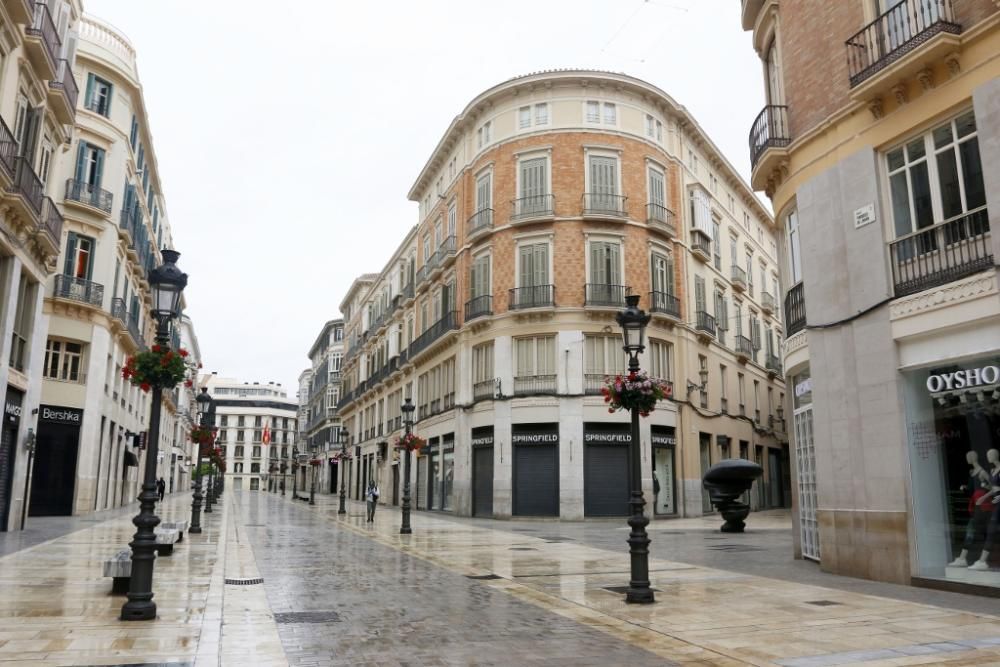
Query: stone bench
[(119, 566), (165, 539), (180, 526)]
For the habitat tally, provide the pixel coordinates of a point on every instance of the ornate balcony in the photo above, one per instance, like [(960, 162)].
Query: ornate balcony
[(51, 226), (28, 190), (533, 207), (82, 192), (480, 306), (769, 130), (665, 303), (598, 294), (767, 303), (738, 277), (744, 349), (42, 43), (534, 296), (447, 323), (78, 289), (480, 221), (795, 310), (534, 385), (446, 251), (63, 93), (773, 365), (604, 205), (701, 245), (705, 323), (8, 151), (485, 390), (661, 218)]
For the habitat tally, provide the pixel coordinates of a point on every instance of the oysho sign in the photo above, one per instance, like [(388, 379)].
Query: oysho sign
[(963, 379)]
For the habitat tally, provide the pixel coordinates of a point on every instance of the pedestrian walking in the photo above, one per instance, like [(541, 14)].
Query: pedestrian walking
[(371, 495), (161, 488)]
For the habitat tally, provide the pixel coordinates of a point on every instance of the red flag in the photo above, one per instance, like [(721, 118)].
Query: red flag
[(267, 434)]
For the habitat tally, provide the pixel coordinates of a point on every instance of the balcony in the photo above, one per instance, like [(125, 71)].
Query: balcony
[(28, 189), (604, 205), (701, 245), (738, 277), (51, 226), (119, 310), (21, 11), (480, 221), (422, 274), (8, 151), (744, 349), (480, 306), (704, 323), (795, 310), (665, 303), (941, 254), (773, 365), (902, 29), (593, 383), (662, 219), (42, 43), (767, 303), (612, 296), (769, 130), (532, 208), (129, 223), (534, 296), (485, 390), (447, 249), (534, 385), (447, 323), (78, 289), (63, 93), (407, 292), (89, 195)]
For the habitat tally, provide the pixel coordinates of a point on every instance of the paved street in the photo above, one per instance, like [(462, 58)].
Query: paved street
[(338, 591)]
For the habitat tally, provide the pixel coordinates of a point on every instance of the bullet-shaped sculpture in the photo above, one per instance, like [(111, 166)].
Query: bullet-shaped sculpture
[(725, 482)]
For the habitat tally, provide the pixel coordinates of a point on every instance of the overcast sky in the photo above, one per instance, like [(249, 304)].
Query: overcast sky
[(287, 137)]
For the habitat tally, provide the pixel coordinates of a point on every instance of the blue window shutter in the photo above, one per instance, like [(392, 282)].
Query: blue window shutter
[(135, 131), (100, 168), (111, 94), (81, 157), (90, 91), (70, 253)]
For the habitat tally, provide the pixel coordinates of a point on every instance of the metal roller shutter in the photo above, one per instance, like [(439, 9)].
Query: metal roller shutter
[(605, 480), (482, 494), (536, 480)]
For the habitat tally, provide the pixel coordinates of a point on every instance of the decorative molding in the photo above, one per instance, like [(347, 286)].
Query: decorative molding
[(899, 92), (953, 62), (953, 293), (796, 342), (875, 106), (926, 78)]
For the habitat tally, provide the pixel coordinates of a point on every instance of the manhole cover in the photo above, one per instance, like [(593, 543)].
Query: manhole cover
[(823, 603), (622, 590), (244, 582), (307, 617), (522, 549), (482, 577)]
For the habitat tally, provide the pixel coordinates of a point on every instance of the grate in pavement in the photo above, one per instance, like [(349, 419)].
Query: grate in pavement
[(244, 582), (483, 577), (823, 603), (622, 590), (522, 549), (307, 617)]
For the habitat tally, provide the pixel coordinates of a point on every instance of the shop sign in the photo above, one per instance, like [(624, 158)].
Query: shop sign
[(482, 437), (607, 438), (663, 437), (534, 434), (57, 414), (12, 408), (972, 377)]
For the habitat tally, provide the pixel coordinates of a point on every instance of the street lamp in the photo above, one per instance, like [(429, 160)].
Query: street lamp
[(341, 468), (407, 409), (295, 473), (633, 322), (206, 407), (312, 482), (166, 282)]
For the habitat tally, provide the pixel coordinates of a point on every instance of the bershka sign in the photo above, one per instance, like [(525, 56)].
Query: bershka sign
[(973, 377), (57, 414)]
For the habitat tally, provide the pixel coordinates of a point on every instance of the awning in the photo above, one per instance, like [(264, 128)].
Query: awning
[(130, 458)]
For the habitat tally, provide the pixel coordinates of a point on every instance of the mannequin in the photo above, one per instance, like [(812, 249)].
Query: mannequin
[(991, 499), (976, 487)]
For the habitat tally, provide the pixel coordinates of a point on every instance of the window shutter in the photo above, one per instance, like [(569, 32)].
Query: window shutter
[(81, 162), (527, 273), (107, 104), (90, 259), (597, 274), (533, 182), (614, 263), (98, 168), (603, 175), (541, 264), (89, 97), (656, 188), (70, 254)]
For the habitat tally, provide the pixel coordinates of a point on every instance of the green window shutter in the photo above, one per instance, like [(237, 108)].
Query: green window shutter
[(81, 162), (527, 274), (533, 181), (111, 94), (88, 98), (541, 264), (90, 258), (70, 254), (99, 168)]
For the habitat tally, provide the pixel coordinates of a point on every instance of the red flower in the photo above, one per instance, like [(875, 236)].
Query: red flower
[(182, 352), (145, 387), (188, 383), (631, 376), (156, 348)]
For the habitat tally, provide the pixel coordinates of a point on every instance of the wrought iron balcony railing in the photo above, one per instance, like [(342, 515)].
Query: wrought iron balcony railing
[(773, 364), (705, 322), (535, 206), (480, 221), (795, 310), (598, 294), (52, 221), (534, 385), (66, 82), (28, 185), (701, 244), (447, 247), (767, 302), (738, 277), (44, 27), (534, 296), (658, 215), (600, 203), (91, 195), (744, 348), (593, 382), (769, 130), (447, 323), (8, 149), (484, 390), (479, 306), (666, 303), (78, 289)]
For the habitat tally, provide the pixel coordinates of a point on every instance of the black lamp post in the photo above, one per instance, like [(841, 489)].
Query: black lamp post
[(313, 468), (633, 322), (295, 473), (166, 282), (205, 407), (407, 409), (342, 469), (210, 486)]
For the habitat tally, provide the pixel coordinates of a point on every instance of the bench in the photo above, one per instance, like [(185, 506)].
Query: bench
[(165, 539), (179, 526), (119, 566)]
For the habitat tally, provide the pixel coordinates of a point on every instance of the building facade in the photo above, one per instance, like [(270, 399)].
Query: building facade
[(880, 150), (322, 432), (38, 99), (257, 432), (548, 199)]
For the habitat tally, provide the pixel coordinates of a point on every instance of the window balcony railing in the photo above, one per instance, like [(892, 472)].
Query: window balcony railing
[(78, 289), (769, 130), (604, 204), (535, 206), (534, 296), (65, 83), (480, 221), (52, 221), (408, 291), (422, 274), (447, 247), (479, 306), (773, 364), (119, 311), (705, 322), (91, 195), (661, 217), (447, 323), (28, 185), (597, 294), (593, 382), (942, 253), (666, 303), (484, 390), (534, 384), (701, 245), (8, 149), (744, 348), (738, 277), (795, 310), (43, 27), (767, 302), (895, 33)]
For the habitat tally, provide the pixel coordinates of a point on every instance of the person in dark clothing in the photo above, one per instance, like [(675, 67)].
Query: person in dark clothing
[(161, 488)]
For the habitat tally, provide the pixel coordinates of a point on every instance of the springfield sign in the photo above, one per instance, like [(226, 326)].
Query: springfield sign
[(973, 377)]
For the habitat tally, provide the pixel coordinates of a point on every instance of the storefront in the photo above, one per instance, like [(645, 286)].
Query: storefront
[(805, 460), (953, 429), (482, 471), (8, 451), (536, 469), (447, 481), (53, 480), (605, 469), (664, 443)]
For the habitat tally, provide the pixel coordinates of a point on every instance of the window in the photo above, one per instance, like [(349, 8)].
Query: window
[(750, 274), (133, 134), (654, 128), (605, 264), (746, 220), (21, 118), (255, 451), (241, 421), (606, 113), (721, 315), (542, 114), (240, 437), (662, 273), (238, 449), (63, 360), (45, 160), (773, 78), (89, 164), (483, 134), (534, 265), (703, 372), (741, 386), (657, 194), (535, 356), (593, 112), (699, 294), (533, 186), (98, 98), (452, 218), (254, 468), (482, 363), (602, 355), (716, 245), (732, 202), (922, 189), (660, 356), (713, 183), (79, 262), (238, 467), (794, 251), (479, 283), (484, 191), (427, 247), (524, 117), (224, 420), (610, 114), (602, 189)]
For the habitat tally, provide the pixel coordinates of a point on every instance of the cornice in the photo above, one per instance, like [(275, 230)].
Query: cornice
[(967, 289)]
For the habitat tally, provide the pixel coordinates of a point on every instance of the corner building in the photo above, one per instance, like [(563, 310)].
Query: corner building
[(548, 199), (879, 147)]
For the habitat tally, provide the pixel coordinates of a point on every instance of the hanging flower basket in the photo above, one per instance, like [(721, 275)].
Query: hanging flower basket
[(411, 442), (160, 367), (315, 462), (635, 390), (203, 435), (340, 456)]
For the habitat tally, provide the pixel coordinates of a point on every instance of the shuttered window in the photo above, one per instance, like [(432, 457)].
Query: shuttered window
[(662, 273), (480, 278), (79, 261), (603, 175), (89, 164), (534, 179), (699, 293), (536, 356), (484, 192), (534, 260), (657, 188), (605, 263), (602, 354)]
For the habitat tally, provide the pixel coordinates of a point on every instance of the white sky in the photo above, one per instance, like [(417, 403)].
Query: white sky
[(288, 136)]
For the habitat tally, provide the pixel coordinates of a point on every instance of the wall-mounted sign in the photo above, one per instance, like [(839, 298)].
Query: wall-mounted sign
[(482, 436), (57, 414), (600, 438), (973, 377), (804, 387), (534, 434), (663, 436), (864, 216)]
